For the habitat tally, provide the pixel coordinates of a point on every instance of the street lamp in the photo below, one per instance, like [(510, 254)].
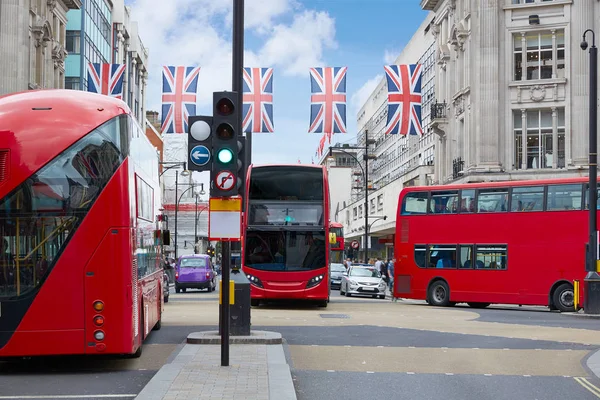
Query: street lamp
[(173, 164), (365, 173), (177, 200), (200, 192), (591, 304)]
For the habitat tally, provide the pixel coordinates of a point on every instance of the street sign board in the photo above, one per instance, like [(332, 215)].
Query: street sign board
[(225, 180), (225, 219), (200, 155), (355, 244)]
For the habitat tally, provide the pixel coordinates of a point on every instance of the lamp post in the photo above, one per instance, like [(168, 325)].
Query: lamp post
[(185, 172), (177, 200), (365, 172), (196, 215), (591, 304)]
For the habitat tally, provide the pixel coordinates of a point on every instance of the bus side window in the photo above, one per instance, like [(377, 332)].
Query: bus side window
[(467, 201), (466, 257), (444, 202), (415, 203), (492, 200), (420, 255), (564, 197), (529, 198), (442, 256), (491, 257)]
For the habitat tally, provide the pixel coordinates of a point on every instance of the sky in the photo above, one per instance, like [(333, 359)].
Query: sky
[(291, 36)]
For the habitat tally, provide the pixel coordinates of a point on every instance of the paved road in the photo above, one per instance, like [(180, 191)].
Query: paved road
[(359, 348)]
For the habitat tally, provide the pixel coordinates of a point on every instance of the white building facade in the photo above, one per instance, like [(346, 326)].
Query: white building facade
[(400, 160), (32, 44), (513, 88)]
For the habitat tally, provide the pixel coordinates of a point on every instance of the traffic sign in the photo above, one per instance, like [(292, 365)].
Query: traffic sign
[(200, 155), (355, 244), (225, 180)]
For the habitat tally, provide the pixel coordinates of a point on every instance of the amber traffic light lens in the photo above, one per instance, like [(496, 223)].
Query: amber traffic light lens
[(225, 132), (225, 107)]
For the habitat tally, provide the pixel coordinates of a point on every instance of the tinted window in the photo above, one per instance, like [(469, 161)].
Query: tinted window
[(285, 213), (365, 272), (415, 203), (564, 197), (443, 202), (49, 206), (528, 198), (196, 262), (286, 183), (492, 200), (285, 250), (421, 256)]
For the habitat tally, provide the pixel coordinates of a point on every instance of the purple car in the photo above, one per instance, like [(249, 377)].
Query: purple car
[(195, 271)]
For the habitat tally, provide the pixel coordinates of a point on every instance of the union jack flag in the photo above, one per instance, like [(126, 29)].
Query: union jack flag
[(404, 99), (328, 100), (106, 79), (258, 100), (178, 97)]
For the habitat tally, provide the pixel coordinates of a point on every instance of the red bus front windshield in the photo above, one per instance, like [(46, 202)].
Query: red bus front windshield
[(286, 217)]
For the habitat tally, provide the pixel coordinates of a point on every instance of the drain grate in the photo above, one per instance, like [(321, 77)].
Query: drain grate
[(334, 316)]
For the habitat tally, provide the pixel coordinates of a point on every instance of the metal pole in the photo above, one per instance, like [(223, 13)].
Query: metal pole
[(366, 158), (176, 207), (196, 226), (238, 68), (592, 279), (225, 271)]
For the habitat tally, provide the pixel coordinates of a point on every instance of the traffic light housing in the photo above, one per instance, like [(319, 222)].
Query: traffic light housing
[(226, 145), (200, 137)]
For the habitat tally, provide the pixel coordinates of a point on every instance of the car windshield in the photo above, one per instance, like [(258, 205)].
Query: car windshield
[(366, 272), (338, 268), (193, 263)]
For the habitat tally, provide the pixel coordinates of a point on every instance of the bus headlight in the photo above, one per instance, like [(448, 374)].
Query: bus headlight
[(254, 281), (314, 281)]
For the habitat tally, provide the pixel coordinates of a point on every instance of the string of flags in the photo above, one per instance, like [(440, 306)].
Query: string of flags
[(328, 101)]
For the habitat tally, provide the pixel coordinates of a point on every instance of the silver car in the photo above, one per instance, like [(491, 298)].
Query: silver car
[(363, 281)]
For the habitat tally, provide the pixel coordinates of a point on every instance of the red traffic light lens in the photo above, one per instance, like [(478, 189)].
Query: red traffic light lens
[(225, 131), (225, 107)]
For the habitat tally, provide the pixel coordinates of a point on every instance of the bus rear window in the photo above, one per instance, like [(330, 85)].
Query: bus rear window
[(415, 203), (286, 183)]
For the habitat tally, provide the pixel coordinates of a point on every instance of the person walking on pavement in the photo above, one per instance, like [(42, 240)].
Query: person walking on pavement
[(390, 268)]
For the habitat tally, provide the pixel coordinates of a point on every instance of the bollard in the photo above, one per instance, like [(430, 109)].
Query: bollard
[(239, 322)]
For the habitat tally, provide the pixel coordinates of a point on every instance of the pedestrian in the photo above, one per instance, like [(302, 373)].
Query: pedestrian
[(390, 268)]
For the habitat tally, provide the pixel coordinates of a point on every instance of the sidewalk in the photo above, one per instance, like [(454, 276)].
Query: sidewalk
[(255, 372)]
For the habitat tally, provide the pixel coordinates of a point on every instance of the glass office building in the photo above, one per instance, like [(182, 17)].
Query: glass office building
[(88, 40)]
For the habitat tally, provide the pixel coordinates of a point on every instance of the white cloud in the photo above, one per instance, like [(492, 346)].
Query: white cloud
[(359, 97), (300, 46), (390, 56), (193, 32)]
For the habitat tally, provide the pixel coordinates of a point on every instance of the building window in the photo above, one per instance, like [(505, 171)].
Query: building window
[(73, 42), (539, 138), (72, 82), (544, 54), (380, 202)]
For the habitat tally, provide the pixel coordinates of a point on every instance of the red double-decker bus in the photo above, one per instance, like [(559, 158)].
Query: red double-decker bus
[(337, 249), (516, 242), (80, 261), (285, 253)]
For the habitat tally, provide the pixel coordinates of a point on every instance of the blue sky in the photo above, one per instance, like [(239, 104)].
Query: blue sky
[(288, 35)]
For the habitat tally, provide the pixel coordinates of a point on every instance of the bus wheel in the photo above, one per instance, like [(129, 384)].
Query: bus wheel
[(323, 303), (479, 305), (254, 302), (563, 298), (439, 294)]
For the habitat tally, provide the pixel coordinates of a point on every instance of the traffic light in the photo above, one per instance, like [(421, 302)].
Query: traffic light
[(226, 145), (200, 143)]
